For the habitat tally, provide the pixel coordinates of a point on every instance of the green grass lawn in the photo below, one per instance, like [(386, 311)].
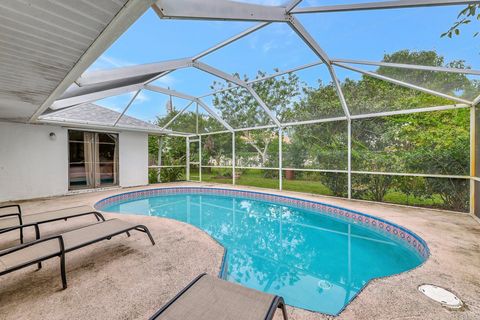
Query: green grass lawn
[(400, 198), (306, 186), (256, 178)]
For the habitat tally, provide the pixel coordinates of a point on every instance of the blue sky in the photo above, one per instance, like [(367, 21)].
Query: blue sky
[(359, 35)]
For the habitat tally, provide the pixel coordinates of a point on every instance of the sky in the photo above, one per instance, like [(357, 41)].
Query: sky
[(362, 35)]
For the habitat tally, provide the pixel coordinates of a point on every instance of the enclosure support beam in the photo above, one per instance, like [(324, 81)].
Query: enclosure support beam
[(476, 101), (338, 87), (382, 5), (315, 47), (127, 107), (199, 158), (214, 114), (273, 75), (217, 10), (308, 39), (191, 98), (408, 66), (218, 73), (280, 159), (142, 70), (349, 155), (230, 40), (159, 162), (94, 96), (187, 169), (234, 161), (474, 161), (176, 116), (401, 83), (291, 5)]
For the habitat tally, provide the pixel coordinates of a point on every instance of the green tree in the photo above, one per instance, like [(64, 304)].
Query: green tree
[(239, 108)]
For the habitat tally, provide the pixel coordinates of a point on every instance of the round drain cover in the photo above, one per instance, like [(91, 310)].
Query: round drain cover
[(324, 284), (441, 295)]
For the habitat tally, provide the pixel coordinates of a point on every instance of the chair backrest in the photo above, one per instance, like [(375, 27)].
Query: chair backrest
[(10, 216)]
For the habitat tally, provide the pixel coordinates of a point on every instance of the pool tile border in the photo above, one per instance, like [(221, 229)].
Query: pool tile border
[(405, 236)]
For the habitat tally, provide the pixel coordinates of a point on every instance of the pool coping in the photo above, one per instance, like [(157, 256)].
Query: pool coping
[(369, 221)]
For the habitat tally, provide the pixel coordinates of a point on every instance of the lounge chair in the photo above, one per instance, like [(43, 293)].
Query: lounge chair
[(207, 298), (42, 249), (11, 216)]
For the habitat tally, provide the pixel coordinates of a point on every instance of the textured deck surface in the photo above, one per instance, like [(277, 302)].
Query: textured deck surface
[(129, 279)]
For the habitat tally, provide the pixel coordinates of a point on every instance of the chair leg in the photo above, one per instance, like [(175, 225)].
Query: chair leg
[(21, 235), (39, 266), (128, 234), (145, 229), (99, 216), (284, 310), (62, 271)]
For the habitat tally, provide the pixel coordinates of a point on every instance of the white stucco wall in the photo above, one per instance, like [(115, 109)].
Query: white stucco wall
[(34, 166), (133, 159), (31, 164)]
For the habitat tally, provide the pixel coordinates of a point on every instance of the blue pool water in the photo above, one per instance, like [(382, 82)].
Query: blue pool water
[(314, 261)]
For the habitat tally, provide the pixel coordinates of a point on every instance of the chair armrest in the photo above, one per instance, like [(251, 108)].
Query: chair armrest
[(15, 214), (19, 210), (21, 226), (32, 243)]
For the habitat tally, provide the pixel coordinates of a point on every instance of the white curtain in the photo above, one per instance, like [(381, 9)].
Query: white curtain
[(115, 158), (89, 153)]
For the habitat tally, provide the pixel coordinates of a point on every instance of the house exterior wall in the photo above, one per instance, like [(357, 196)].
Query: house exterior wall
[(32, 165), (133, 159)]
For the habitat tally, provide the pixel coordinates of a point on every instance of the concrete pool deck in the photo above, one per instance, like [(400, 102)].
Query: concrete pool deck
[(128, 278)]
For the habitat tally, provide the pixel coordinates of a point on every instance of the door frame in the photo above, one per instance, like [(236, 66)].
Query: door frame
[(97, 183)]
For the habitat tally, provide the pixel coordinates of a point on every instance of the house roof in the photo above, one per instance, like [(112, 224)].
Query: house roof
[(93, 113)]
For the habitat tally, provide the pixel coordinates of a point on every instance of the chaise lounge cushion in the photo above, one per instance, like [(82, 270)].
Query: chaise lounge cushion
[(72, 240), (35, 252), (83, 236), (34, 218), (212, 298)]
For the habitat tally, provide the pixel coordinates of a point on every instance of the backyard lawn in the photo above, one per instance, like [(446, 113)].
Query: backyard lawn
[(256, 178)]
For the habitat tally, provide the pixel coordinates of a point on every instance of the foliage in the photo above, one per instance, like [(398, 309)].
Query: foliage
[(217, 149), (152, 176), (171, 174), (466, 16), (433, 142), (239, 108)]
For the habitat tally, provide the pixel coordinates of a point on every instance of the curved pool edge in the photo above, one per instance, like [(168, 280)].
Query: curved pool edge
[(406, 236), (382, 226)]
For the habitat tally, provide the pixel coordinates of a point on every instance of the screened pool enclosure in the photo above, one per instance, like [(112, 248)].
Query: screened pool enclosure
[(402, 129)]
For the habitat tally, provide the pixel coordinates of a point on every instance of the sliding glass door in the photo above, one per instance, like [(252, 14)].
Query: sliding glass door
[(93, 159)]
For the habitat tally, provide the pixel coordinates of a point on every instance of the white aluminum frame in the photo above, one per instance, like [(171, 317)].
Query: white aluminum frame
[(97, 85)]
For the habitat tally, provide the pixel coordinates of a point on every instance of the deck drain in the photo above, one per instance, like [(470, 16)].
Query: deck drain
[(441, 295)]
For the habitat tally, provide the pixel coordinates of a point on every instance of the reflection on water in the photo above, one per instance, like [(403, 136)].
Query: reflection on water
[(315, 262)]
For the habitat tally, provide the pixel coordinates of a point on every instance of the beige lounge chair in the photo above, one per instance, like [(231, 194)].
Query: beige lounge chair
[(208, 298), (42, 249), (11, 216)]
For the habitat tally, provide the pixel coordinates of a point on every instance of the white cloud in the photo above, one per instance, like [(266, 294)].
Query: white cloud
[(166, 80), (265, 2), (108, 62), (141, 97), (269, 45)]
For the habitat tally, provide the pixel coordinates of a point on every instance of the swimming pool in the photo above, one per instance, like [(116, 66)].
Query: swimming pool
[(318, 257)]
